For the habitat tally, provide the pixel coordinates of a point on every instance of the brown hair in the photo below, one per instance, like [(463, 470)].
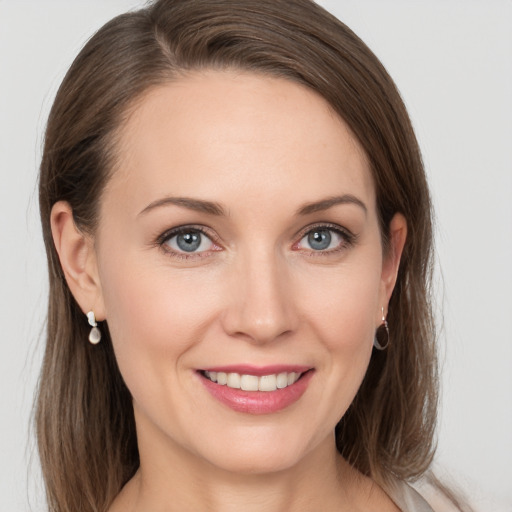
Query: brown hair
[(85, 424)]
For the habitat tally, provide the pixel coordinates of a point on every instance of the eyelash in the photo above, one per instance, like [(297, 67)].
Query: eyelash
[(162, 240), (348, 240)]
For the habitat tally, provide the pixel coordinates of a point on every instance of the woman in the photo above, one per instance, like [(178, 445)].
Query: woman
[(237, 218)]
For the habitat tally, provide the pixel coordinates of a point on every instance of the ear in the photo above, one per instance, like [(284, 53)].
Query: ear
[(77, 259), (391, 262)]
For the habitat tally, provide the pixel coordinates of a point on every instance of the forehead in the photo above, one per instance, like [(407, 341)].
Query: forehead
[(228, 134)]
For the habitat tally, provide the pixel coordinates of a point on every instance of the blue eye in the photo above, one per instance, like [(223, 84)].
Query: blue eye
[(189, 241), (324, 239), (319, 239)]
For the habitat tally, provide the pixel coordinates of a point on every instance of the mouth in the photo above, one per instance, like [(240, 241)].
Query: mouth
[(257, 390), (248, 382)]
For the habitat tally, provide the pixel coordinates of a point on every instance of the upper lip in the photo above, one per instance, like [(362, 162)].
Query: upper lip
[(247, 369)]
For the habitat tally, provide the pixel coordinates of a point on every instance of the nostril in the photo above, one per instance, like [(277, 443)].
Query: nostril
[(261, 307)]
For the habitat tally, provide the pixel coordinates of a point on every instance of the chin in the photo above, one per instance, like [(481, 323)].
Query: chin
[(258, 452), (261, 462)]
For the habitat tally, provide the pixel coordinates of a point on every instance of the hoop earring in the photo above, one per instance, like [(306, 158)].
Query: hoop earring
[(376, 342), (95, 334)]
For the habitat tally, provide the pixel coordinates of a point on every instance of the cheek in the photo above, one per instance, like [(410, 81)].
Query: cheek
[(154, 316), (342, 307)]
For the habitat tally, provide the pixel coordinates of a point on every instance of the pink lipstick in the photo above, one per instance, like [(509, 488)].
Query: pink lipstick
[(257, 390)]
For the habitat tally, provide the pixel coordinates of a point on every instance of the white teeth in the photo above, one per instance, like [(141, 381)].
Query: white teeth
[(292, 377), (234, 380), (282, 380), (252, 382), (211, 375), (249, 383), (268, 383)]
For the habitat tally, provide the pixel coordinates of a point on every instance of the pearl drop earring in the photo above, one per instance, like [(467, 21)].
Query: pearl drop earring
[(95, 334)]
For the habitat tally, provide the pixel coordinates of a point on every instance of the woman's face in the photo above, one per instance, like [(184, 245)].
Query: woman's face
[(239, 236)]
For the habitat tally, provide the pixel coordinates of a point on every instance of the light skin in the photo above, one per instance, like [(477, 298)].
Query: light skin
[(252, 167)]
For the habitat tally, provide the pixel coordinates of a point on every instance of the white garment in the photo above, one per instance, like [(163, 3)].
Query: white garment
[(407, 498)]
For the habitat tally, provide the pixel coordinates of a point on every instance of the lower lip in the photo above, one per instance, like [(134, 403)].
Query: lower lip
[(258, 402)]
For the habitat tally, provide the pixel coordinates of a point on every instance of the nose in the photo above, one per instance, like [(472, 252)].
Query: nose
[(261, 306)]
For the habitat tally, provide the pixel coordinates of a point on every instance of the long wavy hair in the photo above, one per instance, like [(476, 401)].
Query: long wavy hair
[(84, 416)]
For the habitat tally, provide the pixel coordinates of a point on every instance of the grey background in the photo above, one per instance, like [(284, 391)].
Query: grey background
[(452, 61)]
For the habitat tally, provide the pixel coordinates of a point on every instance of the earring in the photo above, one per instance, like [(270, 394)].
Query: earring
[(376, 342), (95, 334)]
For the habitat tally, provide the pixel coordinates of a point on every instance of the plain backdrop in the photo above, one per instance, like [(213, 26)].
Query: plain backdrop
[(452, 61)]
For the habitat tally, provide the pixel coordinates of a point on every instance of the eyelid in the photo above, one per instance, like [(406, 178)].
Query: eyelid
[(177, 230), (325, 225), (349, 237)]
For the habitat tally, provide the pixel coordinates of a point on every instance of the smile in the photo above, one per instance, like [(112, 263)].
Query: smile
[(257, 391), (253, 382)]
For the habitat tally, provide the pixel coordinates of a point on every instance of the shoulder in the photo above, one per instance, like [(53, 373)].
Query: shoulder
[(425, 495), (407, 498), (440, 497)]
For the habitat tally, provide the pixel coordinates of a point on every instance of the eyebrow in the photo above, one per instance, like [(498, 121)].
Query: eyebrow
[(197, 205), (325, 204), (212, 208)]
